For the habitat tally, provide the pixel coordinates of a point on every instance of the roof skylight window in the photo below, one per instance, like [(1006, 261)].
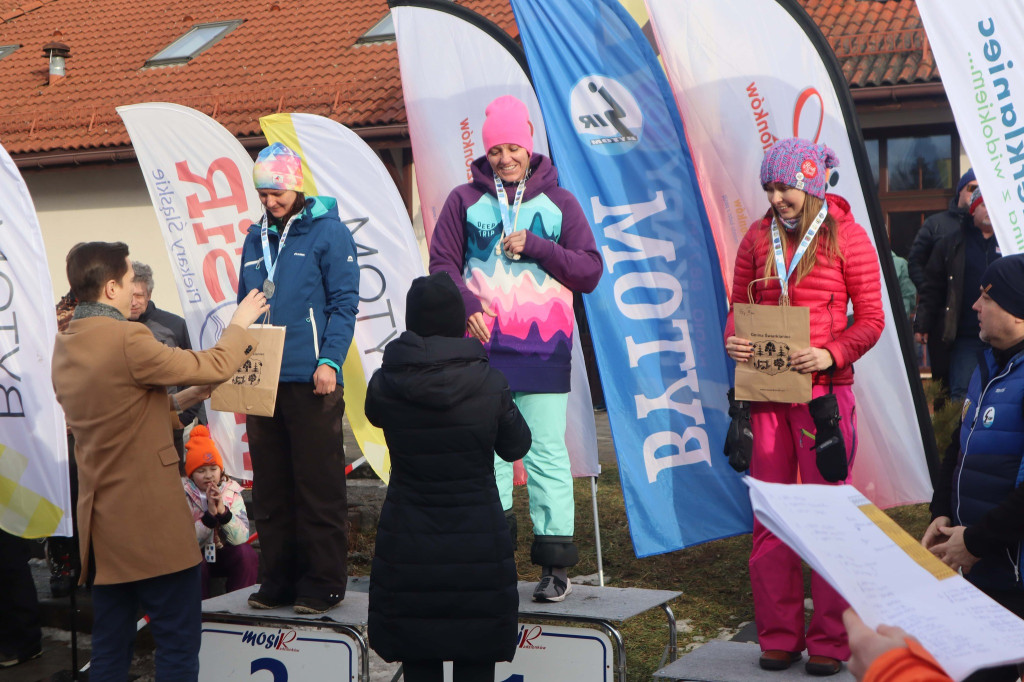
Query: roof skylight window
[(197, 40), (382, 31), (7, 49)]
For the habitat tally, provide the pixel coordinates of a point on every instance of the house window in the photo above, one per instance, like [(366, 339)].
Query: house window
[(7, 49), (197, 40), (915, 172)]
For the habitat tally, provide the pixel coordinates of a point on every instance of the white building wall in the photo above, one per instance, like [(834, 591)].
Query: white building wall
[(100, 203)]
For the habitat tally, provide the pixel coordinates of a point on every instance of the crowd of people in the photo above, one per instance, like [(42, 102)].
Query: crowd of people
[(478, 380)]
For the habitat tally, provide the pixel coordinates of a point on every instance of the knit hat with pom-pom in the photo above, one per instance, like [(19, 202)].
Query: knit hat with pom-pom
[(799, 163), (200, 450)]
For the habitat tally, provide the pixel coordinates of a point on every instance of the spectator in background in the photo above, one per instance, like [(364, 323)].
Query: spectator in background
[(21, 639), (952, 278), (978, 505), (170, 330), (934, 229), (907, 289), (222, 525), (62, 552)]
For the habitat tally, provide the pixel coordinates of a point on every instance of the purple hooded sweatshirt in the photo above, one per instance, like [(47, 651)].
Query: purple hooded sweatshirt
[(530, 298)]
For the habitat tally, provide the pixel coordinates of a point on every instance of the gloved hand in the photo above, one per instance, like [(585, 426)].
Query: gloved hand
[(828, 440), (739, 439)]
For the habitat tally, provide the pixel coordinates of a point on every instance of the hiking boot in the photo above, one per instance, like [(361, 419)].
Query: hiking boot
[(312, 606), (264, 599), (822, 666), (777, 659), (554, 585)]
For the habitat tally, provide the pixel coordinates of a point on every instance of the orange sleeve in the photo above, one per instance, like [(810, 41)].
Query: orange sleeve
[(912, 663)]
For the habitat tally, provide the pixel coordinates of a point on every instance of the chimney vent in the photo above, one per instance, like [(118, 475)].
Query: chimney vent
[(57, 53)]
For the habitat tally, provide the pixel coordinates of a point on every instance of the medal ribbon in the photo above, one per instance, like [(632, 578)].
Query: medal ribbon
[(780, 256), (265, 242), (509, 222)]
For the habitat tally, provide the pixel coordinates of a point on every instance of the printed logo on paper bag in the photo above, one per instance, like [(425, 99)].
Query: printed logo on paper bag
[(771, 357), (606, 115), (249, 374)]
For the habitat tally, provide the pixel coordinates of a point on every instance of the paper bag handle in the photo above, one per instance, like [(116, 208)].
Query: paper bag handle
[(783, 300)]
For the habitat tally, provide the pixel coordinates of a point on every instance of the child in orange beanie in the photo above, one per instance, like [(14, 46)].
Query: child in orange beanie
[(222, 526)]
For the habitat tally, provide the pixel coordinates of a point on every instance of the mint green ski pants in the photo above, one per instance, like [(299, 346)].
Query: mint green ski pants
[(549, 479)]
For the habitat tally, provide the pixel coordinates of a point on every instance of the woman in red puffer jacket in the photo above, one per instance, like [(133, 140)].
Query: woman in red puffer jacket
[(830, 261)]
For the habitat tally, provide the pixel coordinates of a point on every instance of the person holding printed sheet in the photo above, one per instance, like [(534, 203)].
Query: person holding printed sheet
[(304, 259), (807, 247), (517, 245)]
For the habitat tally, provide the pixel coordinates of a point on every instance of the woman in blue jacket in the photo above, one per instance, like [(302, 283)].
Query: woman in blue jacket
[(304, 259)]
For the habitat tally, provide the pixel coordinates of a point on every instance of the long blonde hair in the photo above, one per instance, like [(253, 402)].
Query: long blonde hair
[(808, 213)]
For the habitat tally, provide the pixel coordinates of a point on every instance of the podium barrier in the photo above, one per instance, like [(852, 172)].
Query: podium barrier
[(239, 640)]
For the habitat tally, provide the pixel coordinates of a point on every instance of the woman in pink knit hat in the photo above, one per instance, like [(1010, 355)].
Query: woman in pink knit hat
[(518, 246), (809, 247)]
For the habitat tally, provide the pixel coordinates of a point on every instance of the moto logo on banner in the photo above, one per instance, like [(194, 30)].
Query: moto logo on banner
[(606, 115)]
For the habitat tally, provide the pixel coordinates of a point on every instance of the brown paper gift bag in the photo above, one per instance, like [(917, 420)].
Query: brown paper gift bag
[(776, 331), (253, 388)]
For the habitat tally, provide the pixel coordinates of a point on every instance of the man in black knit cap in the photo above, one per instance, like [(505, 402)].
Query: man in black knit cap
[(978, 505)]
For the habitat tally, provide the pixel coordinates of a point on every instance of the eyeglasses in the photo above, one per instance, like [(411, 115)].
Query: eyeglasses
[(971, 187)]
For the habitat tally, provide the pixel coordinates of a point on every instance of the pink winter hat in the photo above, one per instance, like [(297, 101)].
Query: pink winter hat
[(508, 122), (799, 163), (278, 167)]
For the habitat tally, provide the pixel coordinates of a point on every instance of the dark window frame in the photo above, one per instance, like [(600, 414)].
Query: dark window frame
[(912, 199)]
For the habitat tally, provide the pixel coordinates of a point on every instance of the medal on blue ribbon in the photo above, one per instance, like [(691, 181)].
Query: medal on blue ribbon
[(271, 264), (508, 222), (780, 257)]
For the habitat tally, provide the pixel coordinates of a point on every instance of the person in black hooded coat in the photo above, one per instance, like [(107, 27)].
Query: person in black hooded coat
[(443, 580)]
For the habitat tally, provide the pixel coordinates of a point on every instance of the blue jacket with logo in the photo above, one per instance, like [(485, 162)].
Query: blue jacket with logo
[(990, 468), (317, 271)]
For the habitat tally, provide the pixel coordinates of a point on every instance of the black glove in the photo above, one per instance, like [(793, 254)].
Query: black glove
[(739, 439), (828, 439)]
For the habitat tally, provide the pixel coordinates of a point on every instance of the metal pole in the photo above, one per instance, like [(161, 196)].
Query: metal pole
[(74, 624), (597, 531)]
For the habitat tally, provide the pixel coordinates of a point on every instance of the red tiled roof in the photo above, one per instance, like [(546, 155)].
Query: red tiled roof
[(297, 55), (878, 43), (289, 55)]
